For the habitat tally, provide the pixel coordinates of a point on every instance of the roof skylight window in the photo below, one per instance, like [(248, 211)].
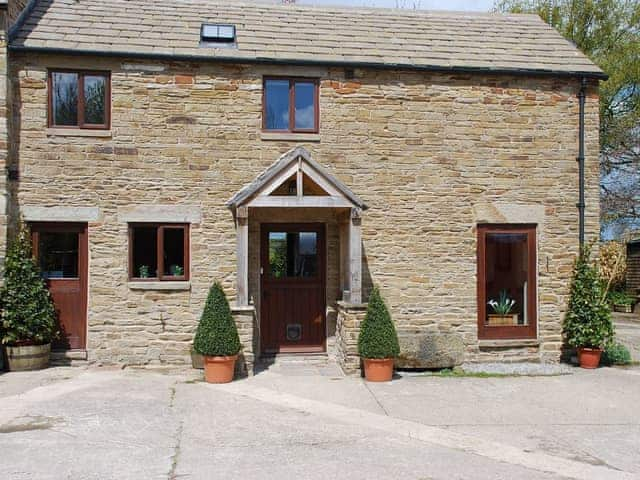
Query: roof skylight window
[(217, 33)]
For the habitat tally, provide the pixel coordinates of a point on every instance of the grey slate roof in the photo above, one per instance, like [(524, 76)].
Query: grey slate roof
[(306, 35)]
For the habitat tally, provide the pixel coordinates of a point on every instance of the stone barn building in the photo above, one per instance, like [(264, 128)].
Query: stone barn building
[(299, 156)]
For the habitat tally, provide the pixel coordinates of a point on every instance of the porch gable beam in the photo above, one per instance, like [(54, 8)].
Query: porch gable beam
[(242, 256)]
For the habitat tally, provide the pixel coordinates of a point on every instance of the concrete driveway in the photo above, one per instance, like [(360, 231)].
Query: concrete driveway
[(292, 422)]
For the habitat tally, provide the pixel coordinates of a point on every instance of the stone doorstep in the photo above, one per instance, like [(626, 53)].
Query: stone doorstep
[(310, 359), (508, 343), (68, 357)]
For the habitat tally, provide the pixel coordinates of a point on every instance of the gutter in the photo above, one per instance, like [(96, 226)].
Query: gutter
[(317, 63), (581, 205)]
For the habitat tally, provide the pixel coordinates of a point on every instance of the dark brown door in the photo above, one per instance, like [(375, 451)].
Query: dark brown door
[(293, 288), (61, 252)]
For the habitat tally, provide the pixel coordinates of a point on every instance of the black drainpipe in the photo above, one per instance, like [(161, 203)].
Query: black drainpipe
[(581, 97)]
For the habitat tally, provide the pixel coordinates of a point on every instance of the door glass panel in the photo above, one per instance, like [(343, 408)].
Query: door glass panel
[(507, 270), (58, 254), (293, 254)]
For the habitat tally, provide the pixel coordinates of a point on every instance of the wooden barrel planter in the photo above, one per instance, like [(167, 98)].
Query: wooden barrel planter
[(28, 357)]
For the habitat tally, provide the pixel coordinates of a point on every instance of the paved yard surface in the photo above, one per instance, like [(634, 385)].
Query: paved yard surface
[(306, 422)]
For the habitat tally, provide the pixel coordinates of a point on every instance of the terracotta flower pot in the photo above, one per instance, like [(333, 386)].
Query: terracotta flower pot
[(378, 369), (219, 369), (589, 357)]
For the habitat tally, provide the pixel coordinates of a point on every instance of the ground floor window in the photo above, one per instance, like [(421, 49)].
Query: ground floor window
[(506, 281), (159, 252)]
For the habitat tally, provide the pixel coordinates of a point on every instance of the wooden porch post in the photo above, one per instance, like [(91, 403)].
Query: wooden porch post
[(355, 256), (242, 256)]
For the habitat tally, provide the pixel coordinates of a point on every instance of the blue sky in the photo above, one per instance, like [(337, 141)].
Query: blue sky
[(470, 5)]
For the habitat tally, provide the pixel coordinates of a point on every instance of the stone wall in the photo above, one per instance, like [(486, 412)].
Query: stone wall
[(350, 317), (15, 7), (245, 318), (4, 132), (431, 154)]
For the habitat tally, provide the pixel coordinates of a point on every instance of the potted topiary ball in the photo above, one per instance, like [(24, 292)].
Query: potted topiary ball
[(587, 325), (378, 341), (217, 338), (27, 316)]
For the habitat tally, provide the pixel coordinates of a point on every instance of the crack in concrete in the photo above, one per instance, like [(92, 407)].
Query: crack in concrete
[(177, 437), (384, 410)]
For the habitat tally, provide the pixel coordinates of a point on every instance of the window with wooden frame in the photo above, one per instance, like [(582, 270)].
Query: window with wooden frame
[(79, 99), (507, 300), (158, 252), (290, 105)]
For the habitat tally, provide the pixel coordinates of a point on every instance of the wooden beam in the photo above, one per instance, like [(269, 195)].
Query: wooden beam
[(311, 202), (278, 180), (299, 187), (355, 257), (320, 180), (242, 256), (344, 257)]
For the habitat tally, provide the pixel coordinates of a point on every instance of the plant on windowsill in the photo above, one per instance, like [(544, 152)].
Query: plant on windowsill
[(378, 341), (27, 315), (144, 272), (176, 271), (501, 307), (217, 338), (587, 324)]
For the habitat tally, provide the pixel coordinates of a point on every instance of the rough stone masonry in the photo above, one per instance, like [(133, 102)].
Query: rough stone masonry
[(431, 154)]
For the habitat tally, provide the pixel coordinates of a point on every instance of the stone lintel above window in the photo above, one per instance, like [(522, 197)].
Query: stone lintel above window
[(160, 214)]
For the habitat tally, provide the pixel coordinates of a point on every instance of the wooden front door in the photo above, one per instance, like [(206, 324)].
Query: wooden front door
[(293, 288), (61, 252)]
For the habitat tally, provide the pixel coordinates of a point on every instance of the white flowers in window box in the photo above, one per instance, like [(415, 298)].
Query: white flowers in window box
[(501, 308)]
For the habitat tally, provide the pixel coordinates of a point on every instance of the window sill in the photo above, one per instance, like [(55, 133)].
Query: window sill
[(509, 343), (77, 132), (166, 286), (290, 137)]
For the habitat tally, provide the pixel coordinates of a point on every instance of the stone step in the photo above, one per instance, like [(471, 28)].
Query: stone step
[(312, 359), (68, 358)]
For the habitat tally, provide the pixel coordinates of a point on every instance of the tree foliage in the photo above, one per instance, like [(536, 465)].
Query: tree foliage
[(608, 32), (217, 334), (28, 315), (612, 264), (588, 319), (378, 337)]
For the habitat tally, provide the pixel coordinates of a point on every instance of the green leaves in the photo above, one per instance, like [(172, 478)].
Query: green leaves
[(378, 337), (588, 319), (27, 313), (217, 334), (608, 32)]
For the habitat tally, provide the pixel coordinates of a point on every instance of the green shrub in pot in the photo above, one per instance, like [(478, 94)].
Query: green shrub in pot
[(587, 325), (27, 314)]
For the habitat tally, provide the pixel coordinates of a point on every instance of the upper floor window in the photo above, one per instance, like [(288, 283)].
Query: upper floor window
[(290, 105), (79, 99)]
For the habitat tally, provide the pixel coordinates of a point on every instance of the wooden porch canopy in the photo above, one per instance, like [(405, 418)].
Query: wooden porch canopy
[(295, 180)]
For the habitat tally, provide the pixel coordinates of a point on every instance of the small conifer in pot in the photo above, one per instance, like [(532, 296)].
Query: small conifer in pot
[(217, 337), (378, 340)]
